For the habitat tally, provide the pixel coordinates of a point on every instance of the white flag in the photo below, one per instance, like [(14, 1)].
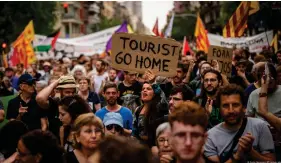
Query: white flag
[(168, 31)]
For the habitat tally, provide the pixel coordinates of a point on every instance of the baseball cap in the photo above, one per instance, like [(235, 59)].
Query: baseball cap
[(113, 118), (26, 78), (67, 82)]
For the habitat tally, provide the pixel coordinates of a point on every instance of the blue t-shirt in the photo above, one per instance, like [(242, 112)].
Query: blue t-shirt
[(249, 90), (124, 112)]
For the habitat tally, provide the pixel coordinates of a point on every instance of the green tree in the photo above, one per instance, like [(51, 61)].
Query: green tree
[(16, 15), (106, 23), (182, 26), (227, 9)]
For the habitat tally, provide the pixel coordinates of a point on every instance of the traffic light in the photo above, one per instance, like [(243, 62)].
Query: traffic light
[(65, 7), (4, 48), (4, 45)]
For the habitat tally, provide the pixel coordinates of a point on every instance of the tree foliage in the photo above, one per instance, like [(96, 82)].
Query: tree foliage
[(227, 9), (16, 15), (106, 23)]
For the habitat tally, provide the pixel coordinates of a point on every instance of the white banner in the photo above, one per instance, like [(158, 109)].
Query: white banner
[(88, 45), (255, 43)]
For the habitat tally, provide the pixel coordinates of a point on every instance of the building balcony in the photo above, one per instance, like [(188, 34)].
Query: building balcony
[(94, 8)]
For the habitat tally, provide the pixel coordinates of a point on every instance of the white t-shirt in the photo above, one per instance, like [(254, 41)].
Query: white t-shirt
[(98, 81)]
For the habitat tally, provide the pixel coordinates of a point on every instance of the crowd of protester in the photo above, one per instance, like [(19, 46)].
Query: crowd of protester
[(84, 111)]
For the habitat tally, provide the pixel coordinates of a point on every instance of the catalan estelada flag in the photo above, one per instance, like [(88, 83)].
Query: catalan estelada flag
[(237, 23), (202, 41)]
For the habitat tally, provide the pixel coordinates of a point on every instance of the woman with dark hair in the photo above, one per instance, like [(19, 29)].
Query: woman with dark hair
[(39, 146), (150, 114), (70, 108)]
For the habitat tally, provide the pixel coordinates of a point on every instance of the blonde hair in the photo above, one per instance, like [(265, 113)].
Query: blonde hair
[(85, 120)]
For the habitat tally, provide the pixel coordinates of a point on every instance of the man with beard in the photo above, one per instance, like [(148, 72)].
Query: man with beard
[(64, 86), (111, 93), (177, 79), (100, 76), (211, 80), (273, 94), (238, 138)]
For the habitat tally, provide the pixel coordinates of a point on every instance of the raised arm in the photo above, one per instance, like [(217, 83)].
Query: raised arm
[(263, 107), (42, 97)]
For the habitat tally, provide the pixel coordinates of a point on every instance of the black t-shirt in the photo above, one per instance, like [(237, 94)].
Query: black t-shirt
[(53, 116), (70, 157), (33, 115), (134, 89), (93, 99)]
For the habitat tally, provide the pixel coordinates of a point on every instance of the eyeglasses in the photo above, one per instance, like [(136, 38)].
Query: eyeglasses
[(116, 127), (195, 137), (97, 131), (210, 80), (21, 154), (161, 141)]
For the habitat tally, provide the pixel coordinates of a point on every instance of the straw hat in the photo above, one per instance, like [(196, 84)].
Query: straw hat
[(67, 82)]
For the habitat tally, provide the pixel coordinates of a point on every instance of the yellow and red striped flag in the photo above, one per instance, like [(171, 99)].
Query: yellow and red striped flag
[(202, 41), (237, 23), (274, 43)]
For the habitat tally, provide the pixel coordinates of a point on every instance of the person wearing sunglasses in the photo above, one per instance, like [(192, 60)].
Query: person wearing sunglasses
[(24, 106), (113, 123)]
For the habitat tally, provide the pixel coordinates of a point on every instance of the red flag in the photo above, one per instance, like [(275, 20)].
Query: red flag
[(161, 34), (55, 39), (185, 47), (155, 28)]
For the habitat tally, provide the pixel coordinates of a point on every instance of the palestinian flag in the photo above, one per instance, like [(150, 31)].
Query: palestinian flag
[(49, 42)]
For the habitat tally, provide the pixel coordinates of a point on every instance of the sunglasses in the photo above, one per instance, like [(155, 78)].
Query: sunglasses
[(116, 127)]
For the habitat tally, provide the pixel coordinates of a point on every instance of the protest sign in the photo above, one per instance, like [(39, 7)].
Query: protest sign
[(254, 43), (224, 58), (138, 53)]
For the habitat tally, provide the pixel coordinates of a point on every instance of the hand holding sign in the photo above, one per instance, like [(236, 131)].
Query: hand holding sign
[(149, 75)]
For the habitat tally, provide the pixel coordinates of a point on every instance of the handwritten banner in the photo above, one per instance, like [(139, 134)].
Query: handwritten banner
[(138, 53)]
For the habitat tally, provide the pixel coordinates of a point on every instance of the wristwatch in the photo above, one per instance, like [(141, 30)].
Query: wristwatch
[(263, 94)]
